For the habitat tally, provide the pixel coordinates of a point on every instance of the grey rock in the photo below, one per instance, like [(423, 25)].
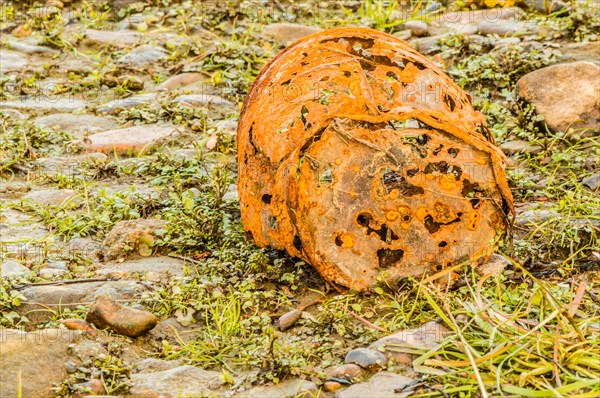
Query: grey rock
[(287, 33), (12, 114), (382, 385), (535, 216), (510, 147), (18, 231), (182, 381), (142, 56), (60, 265), (132, 237), (131, 140), (156, 365), (14, 269), (121, 38), (565, 94), (42, 302), (181, 80), (76, 125), (506, 41), (51, 273), (42, 103), (504, 27), (288, 319), (365, 358), (12, 61), (14, 189), (416, 27), (72, 166), (427, 45), (544, 6), (212, 102), (292, 388), (114, 107), (433, 6), (228, 126), (30, 48), (149, 268), (592, 182), (574, 52), (51, 197), (494, 266), (466, 22)]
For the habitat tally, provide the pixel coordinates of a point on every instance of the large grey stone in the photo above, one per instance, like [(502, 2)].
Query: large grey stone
[(45, 103), (142, 56), (291, 388), (131, 139), (76, 125), (116, 106), (13, 269), (149, 268), (43, 302), (181, 382), (121, 38), (51, 197), (382, 385), (12, 61)]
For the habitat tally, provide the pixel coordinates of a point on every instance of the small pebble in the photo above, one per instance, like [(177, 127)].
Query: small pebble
[(288, 320), (331, 386)]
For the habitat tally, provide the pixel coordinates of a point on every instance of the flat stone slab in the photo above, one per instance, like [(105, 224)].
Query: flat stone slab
[(131, 139), (51, 197), (382, 385), (150, 268), (119, 38), (75, 124), (12, 61), (46, 104), (18, 229), (115, 106)]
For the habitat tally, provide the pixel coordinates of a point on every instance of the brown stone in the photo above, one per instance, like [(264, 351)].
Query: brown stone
[(565, 94), (108, 314)]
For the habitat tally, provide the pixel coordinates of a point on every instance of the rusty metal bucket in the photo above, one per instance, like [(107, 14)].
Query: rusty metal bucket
[(360, 156)]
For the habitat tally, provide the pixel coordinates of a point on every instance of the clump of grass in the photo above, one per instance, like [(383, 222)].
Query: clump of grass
[(22, 142), (10, 299), (502, 67), (111, 370), (530, 339)]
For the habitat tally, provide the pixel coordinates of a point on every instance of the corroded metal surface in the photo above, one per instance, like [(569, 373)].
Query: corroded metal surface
[(361, 157)]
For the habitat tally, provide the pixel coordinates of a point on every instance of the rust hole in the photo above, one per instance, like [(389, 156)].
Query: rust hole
[(453, 152), (438, 149), (389, 257), (272, 222), (434, 226), (443, 244), (450, 102), (385, 233), (473, 192), (444, 168), (266, 199), (297, 242), (392, 180)]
